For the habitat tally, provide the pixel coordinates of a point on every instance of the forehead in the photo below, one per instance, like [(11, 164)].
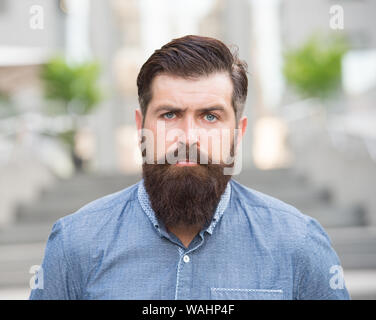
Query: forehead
[(202, 91)]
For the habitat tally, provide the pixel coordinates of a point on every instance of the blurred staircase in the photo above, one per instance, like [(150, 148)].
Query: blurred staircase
[(22, 244)]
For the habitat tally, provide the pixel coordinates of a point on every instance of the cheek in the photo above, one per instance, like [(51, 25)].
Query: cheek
[(160, 133), (165, 141), (148, 145), (217, 144)]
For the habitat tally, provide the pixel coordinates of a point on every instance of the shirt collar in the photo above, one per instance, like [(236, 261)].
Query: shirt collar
[(144, 200)]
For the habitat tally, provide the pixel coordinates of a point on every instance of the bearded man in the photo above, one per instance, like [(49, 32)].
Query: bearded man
[(187, 230)]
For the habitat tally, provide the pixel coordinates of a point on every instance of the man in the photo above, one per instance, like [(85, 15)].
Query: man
[(187, 230)]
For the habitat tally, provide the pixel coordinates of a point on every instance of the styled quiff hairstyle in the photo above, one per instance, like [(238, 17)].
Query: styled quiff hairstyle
[(191, 57)]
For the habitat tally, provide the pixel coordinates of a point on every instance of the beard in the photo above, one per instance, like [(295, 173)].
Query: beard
[(185, 195)]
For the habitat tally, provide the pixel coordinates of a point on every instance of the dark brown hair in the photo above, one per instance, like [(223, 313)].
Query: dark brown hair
[(191, 57)]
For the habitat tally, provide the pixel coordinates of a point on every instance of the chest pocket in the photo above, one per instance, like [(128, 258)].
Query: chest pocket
[(245, 294)]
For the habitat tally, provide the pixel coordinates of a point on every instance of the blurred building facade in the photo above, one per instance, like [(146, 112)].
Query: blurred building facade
[(338, 151)]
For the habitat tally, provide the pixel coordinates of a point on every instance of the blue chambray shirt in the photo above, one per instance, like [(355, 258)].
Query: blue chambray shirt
[(256, 247)]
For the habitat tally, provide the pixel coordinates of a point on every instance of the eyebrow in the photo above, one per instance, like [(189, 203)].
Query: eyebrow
[(175, 109)]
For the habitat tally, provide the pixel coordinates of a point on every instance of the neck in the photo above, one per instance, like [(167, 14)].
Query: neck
[(185, 233)]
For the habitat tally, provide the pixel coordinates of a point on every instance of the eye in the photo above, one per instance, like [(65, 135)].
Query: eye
[(210, 117), (168, 115)]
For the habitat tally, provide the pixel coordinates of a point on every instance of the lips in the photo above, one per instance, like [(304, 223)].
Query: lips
[(186, 163)]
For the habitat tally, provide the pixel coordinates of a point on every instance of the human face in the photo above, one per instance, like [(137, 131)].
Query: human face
[(194, 112)]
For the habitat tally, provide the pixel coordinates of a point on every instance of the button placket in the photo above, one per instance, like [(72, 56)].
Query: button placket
[(184, 272)]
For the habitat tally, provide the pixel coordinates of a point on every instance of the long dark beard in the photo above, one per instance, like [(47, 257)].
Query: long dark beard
[(185, 195)]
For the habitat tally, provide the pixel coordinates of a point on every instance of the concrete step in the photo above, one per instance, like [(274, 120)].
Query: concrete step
[(281, 175), (355, 246), (353, 236), (51, 210), (359, 261), (16, 261), (93, 181), (25, 233), (70, 195), (299, 194), (330, 216)]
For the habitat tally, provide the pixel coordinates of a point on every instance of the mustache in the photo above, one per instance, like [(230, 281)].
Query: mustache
[(186, 152)]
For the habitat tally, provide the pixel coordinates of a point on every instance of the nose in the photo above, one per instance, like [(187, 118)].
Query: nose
[(190, 130)]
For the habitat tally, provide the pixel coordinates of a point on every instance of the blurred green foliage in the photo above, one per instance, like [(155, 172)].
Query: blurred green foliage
[(314, 70), (67, 137), (73, 85), (4, 99), (6, 107)]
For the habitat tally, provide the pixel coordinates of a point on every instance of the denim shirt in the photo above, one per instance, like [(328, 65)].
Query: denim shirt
[(255, 247)]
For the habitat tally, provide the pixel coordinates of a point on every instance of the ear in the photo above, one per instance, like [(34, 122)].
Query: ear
[(139, 119), (242, 125)]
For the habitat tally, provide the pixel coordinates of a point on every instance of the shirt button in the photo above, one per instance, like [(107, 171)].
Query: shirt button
[(186, 259)]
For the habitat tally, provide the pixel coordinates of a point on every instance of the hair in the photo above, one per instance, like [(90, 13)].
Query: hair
[(192, 57)]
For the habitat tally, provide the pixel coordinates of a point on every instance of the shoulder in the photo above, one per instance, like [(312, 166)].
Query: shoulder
[(102, 207), (80, 228), (270, 215), (296, 237), (265, 206)]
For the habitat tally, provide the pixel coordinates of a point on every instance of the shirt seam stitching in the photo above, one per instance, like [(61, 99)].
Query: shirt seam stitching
[(181, 252), (116, 201), (299, 260), (249, 290), (278, 209), (106, 208), (69, 262)]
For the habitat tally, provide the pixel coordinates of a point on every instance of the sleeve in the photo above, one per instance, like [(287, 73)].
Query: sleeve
[(55, 279), (319, 272)]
